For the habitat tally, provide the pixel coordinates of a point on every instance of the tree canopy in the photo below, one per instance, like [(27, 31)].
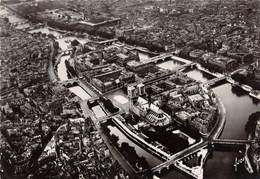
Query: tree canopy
[(251, 123)]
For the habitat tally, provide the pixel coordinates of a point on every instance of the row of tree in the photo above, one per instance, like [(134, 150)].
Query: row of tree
[(129, 152)]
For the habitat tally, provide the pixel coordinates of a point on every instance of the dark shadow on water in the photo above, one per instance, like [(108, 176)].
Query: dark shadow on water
[(238, 91), (255, 101), (251, 123)]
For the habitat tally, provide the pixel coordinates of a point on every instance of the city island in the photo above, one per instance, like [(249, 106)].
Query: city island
[(92, 90)]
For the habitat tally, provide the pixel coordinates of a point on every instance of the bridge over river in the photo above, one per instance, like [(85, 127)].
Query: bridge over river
[(214, 81), (205, 144), (232, 141)]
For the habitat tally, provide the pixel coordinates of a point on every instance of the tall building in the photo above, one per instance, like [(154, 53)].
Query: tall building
[(131, 92), (257, 70), (257, 130), (150, 112), (141, 89)]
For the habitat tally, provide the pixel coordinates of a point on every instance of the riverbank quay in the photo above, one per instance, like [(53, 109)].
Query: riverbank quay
[(115, 152), (238, 118), (63, 80), (118, 156), (204, 143), (31, 113), (252, 154), (220, 132), (52, 75), (162, 155), (221, 120), (27, 99)]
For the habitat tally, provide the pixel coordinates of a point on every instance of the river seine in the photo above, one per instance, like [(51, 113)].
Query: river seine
[(239, 105)]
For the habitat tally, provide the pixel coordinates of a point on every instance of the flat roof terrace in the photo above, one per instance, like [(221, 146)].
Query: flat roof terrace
[(108, 76), (99, 21)]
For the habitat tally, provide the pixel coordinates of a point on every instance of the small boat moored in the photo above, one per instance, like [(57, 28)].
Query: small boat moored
[(246, 88)]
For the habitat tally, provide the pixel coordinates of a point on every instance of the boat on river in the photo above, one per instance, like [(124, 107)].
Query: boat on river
[(246, 88)]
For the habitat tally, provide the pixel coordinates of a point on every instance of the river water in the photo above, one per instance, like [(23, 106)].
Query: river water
[(64, 42), (198, 75), (47, 31), (80, 92), (169, 65), (238, 106), (98, 111), (18, 22), (152, 160), (63, 76), (143, 56), (61, 68)]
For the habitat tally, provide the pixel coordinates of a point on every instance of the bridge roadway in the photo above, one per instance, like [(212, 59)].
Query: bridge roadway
[(157, 169), (214, 80), (197, 147), (153, 80), (231, 141), (159, 57), (166, 55)]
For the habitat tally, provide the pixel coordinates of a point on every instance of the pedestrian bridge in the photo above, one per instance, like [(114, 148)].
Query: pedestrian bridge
[(215, 144), (232, 141), (164, 56), (170, 164), (214, 81), (230, 144), (159, 58)]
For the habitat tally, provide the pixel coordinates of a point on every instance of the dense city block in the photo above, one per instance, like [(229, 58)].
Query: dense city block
[(123, 89)]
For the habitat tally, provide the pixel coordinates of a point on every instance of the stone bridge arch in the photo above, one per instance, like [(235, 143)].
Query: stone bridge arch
[(71, 84)]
